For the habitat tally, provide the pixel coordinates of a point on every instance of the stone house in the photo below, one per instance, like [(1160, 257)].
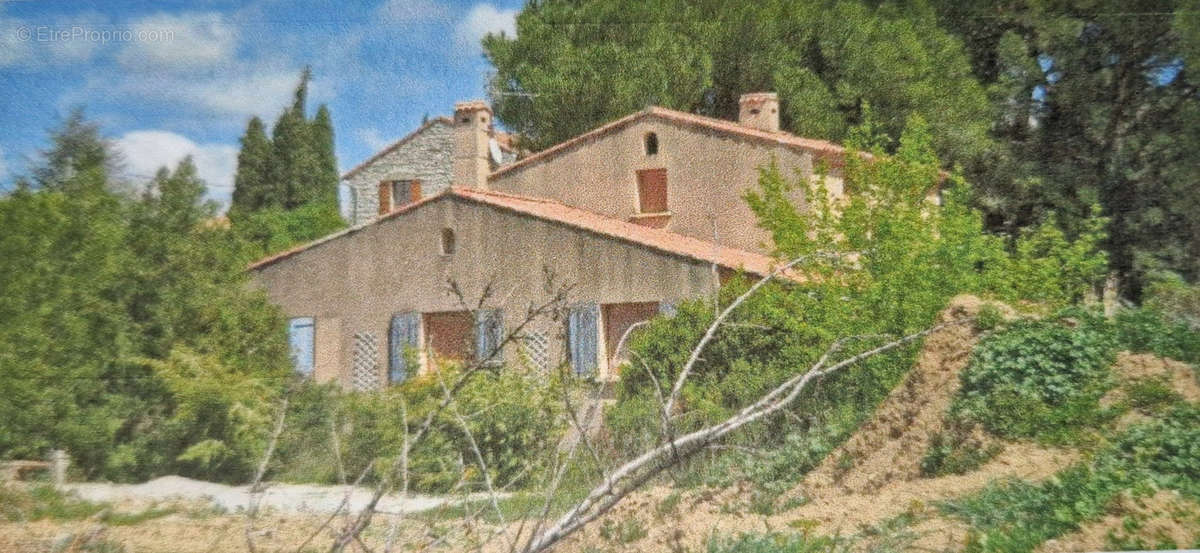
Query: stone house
[(635, 215)]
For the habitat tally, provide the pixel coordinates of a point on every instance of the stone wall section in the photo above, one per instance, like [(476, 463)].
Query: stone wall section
[(427, 156)]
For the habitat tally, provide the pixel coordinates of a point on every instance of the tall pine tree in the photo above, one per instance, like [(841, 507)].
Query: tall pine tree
[(326, 171), (252, 188), (295, 167)]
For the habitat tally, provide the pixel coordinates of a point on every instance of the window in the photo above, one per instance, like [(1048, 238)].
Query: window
[(583, 337), (651, 144), (652, 190), (300, 338), (447, 241), (398, 193), (489, 331), (403, 340)]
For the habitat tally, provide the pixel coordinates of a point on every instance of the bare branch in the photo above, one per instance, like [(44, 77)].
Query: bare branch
[(637, 472), (712, 329), (256, 487)]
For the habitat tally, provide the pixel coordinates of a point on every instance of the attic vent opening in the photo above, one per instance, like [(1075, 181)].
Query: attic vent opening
[(447, 241), (755, 111), (651, 144)]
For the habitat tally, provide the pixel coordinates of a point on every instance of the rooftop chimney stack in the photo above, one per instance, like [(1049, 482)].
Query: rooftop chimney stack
[(472, 129), (759, 110)]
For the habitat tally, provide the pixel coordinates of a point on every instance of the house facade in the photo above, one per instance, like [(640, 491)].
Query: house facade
[(633, 217)]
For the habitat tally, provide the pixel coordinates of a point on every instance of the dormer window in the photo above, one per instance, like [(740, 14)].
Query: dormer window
[(651, 144)]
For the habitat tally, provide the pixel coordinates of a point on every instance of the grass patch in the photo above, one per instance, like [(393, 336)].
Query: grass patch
[(949, 453), (1016, 517), (45, 502)]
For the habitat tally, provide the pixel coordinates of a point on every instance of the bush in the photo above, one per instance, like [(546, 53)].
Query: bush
[(1149, 329), (1038, 379), (1169, 447), (512, 415)]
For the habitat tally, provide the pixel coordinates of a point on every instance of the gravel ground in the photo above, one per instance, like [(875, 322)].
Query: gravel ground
[(299, 498)]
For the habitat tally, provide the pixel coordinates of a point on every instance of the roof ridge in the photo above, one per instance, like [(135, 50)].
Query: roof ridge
[(780, 137), (392, 147)]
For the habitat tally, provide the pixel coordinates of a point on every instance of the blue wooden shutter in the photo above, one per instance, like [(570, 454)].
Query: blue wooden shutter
[(583, 337), (300, 338), (489, 331), (403, 335)]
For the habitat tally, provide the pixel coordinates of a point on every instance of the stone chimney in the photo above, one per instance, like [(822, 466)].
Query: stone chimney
[(759, 110), (472, 129)]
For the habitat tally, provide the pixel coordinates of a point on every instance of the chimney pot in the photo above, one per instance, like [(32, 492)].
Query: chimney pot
[(759, 110)]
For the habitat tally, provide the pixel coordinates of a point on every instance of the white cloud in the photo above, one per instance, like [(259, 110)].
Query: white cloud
[(411, 11), (145, 151), (484, 19), (180, 42), (65, 39), (251, 88), (373, 139)]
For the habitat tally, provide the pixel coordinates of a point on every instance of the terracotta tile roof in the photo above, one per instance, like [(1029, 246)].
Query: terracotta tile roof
[(358, 168), (820, 148), (550, 210)]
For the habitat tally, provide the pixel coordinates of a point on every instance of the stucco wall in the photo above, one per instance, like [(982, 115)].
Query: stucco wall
[(707, 174), (361, 279), (426, 156)]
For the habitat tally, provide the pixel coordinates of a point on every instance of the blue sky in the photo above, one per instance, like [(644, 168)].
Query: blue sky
[(170, 78)]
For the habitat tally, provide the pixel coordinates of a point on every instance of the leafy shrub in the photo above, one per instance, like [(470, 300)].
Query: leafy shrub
[(275, 229), (1148, 329), (1169, 447), (1036, 379), (512, 416)]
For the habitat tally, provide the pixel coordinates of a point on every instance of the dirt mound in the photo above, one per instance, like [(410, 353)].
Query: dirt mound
[(1162, 521), (890, 446), (876, 474), (1180, 376), (873, 477)]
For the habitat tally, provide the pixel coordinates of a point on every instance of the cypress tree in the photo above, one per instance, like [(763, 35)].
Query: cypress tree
[(251, 183), (326, 173)]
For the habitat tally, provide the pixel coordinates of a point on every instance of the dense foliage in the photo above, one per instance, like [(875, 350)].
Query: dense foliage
[(513, 417), (1036, 378), (130, 338), (285, 187)]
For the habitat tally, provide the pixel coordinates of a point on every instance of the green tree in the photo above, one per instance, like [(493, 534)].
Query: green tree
[(76, 146), (252, 188), (107, 299), (575, 65), (296, 166), (325, 176), (1096, 103)]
